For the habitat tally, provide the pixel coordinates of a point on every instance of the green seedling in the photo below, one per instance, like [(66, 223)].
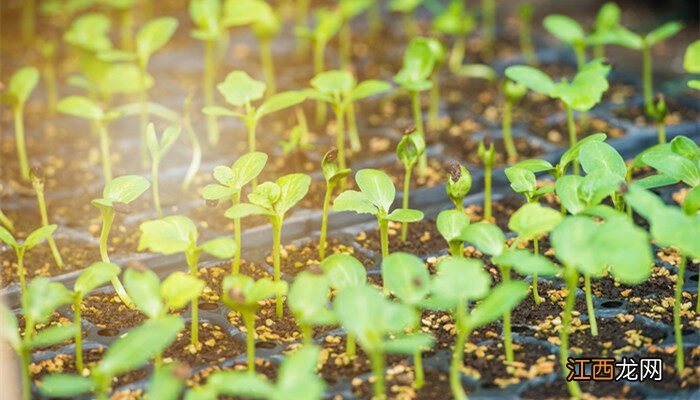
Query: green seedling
[(20, 249), (308, 300), (38, 305), (274, 200), (406, 277), (459, 183), (20, 87), (512, 92), (91, 278), (82, 107), (582, 94), (676, 161), (333, 174), (340, 89), (585, 246), (128, 353), (406, 8), (440, 55), (376, 195), (230, 183), (37, 178), (530, 221), (458, 282), (158, 150), (414, 77), (344, 271), (455, 21), (607, 20), (451, 224), (348, 10), (240, 90), (47, 49), (487, 153), (6, 222), (691, 63), (242, 294), (379, 326), (297, 380), (408, 151), (525, 12), (297, 142), (178, 234), (658, 114)]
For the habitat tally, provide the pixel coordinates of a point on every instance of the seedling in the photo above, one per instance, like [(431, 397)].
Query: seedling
[(691, 63), (158, 150), (127, 353), (31, 241), (409, 150), (20, 87), (607, 20), (584, 91), (91, 278), (297, 380), (116, 197), (456, 21), (440, 55), (658, 113), (296, 142), (452, 224), (333, 174), (348, 9), (242, 294), (677, 160), (178, 234), (37, 177), (458, 282), (240, 90), (525, 12), (38, 304), (406, 277), (82, 107), (308, 300), (406, 8), (379, 325), (513, 92), (585, 246), (487, 152), (376, 195), (418, 64), (274, 199), (231, 181), (459, 183)]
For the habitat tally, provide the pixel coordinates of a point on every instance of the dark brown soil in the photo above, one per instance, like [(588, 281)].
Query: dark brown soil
[(528, 313), (269, 328), (558, 390), (677, 113), (487, 363), (467, 149), (441, 326), (262, 367), (427, 239), (101, 309), (399, 382), (558, 133), (294, 259), (216, 345), (56, 319), (214, 276), (688, 380)]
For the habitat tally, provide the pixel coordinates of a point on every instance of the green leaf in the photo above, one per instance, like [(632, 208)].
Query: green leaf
[(409, 344), (239, 383), (691, 60), (154, 35), (43, 297), (670, 227), (243, 12), (247, 168), (52, 335), (9, 329), (94, 276), (7, 238), (626, 250), (535, 165), (81, 107), (691, 203), (451, 224), (642, 201), (331, 168), (139, 345), (674, 165), (297, 378), (527, 263), (533, 78), (352, 200), (587, 88), (169, 235), (418, 63), (180, 288), (266, 195), (64, 385), (608, 17), (222, 247), (532, 220), (144, 289), (240, 89), (600, 155), (252, 291), (656, 181), (459, 279), (217, 192), (405, 215), (521, 180), (572, 153), (22, 84), (89, 32), (293, 188), (564, 28), (39, 236), (685, 147), (488, 238), (279, 101), (125, 189), (206, 15), (164, 384), (369, 88), (377, 186), (243, 210), (158, 149), (343, 270), (663, 32), (458, 187), (573, 243), (334, 82), (308, 299), (406, 277), (567, 188), (410, 148), (501, 299)]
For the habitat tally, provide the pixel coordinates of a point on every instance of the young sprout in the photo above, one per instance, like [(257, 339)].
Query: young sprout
[(242, 294), (21, 85), (128, 353), (178, 234), (525, 12), (379, 325), (38, 304), (274, 199), (82, 107), (409, 150), (296, 142), (47, 49), (458, 282), (376, 195), (37, 178), (31, 241), (418, 64), (512, 91), (297, 380), (406, 277), (456, 21), (459, 183), (308, 301), (230, 183), (607, 20), (333, 174), (451, 225), (658, 112), (570, 32), (240, 90), (348, 9), (406, 8), (158, 150), (584, 91), (585, 246), (691, 63), (91, 278), (487, 157)]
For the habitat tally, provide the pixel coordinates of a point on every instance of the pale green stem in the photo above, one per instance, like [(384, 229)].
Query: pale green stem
[(488, 9), (28, 21), (303, 124), (344, 42), (418, 359), (25, 355), (50, 83), (434, 106), (526, 46), (353, 133), (324, 223), (680, 363), (418, 118), (572, 133), (237, 232), (143, 117), (457, 249), (156, 191), (377, 359), (598, 51), (535, 293), (18, 112), (661, 127), (20, 269), (647, 77), (212, 124), (126, 35), (580, 51), (507, 135), (276, 249), (78, 335), (571, 277), (192, 259), (340, 140), (375, 17), (45, 222), (249, 320), (384, 236), (319, 54), (268, 65), (507, 337), (589, 305), (107, 219), (406, 193), (487, 191), (350, 345), (458, 352), (306, 334), (104, 149), (196, 153), (457, 54)]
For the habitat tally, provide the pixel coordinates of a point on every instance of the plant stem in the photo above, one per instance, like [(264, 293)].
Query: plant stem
[(350, 345), (572, 133), (78, 335), (340, 139), (646, 77), (580, 51), (276, 247), (458, 352), (107, 219), (302, 20), (680, 364), (104, 149), (418, 119), (28, 21), (457, 249), (434, 105), (535, 283), (26, 357), (488, 11), (192, 259), (39, 188), (237, 232), (319, 53), (196, 152), (306, 334), (18, 112), (378, 372), (303, 124), (143, 117), (457, 53), (249, 320), (507, 136), (418, 358), (375, 17), (571, 277), (50, 83), (324, 223), (156, 192), (384, 236), (598, 51), (353, 133), (487, 192), (20, 270), (507, 337), (344, 45), (126, 36), (212, 124), (525, 37), (6, 222), (661, 127), (406, 193), (268, 65), (589, 305)]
